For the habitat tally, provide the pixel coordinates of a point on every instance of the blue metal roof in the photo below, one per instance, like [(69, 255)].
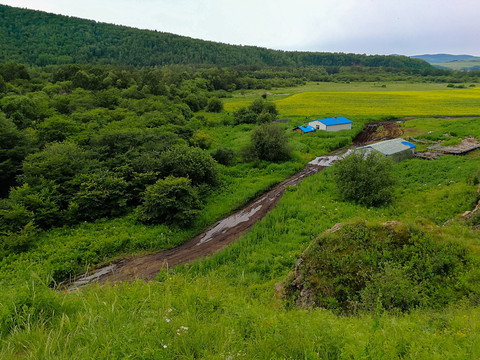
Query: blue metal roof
[(306, 128), (335, 121), (409, 144)]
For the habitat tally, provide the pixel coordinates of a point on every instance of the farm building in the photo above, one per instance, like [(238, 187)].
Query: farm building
[(397, 149), (331, 124), (304, 129)]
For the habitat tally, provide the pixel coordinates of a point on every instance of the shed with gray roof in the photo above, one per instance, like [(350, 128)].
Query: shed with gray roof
[(396, 149)]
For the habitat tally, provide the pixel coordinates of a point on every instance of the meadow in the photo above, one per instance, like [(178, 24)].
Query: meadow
[(378, 103), (226, 306)]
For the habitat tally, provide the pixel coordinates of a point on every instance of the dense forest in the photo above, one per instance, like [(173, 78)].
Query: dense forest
[(40, 38)]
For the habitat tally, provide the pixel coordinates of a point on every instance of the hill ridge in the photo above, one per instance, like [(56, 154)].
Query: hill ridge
[(40, 38)]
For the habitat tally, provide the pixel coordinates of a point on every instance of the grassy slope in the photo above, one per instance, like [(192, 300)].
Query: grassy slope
[(460, 64), (227, 302)]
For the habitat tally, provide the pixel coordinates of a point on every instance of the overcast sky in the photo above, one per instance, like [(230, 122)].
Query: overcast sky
[(407, 27)]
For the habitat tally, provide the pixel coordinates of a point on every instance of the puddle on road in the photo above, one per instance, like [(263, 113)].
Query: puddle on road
[(83, 280), (228, 223)]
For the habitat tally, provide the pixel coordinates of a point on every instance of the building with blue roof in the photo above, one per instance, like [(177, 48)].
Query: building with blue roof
[(304, 129), (331, 124)]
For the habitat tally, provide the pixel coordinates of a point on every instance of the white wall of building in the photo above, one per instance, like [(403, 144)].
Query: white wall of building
[(339, 127), (317, 125)]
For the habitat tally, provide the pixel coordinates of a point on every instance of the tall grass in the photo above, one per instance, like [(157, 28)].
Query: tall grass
[(205, 317)]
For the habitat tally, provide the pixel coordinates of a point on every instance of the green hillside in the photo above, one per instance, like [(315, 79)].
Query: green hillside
[(40, 38), (443, 58), (466, 65)]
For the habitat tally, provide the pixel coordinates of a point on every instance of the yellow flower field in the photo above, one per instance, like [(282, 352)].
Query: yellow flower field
[(378, 103), (396, 103)]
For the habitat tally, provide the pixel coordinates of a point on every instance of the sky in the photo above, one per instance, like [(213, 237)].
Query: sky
[(406, 27)]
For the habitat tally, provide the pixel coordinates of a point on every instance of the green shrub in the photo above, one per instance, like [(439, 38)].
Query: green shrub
[(365, 178), (100, 195), (362, 265), (393, 288), (269, 142), (201, 139), (193, 163), (214, 105), (17, 241), (170, 200), (223, 156)]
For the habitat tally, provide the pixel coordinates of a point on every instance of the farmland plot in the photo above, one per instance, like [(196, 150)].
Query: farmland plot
[(397, 104)]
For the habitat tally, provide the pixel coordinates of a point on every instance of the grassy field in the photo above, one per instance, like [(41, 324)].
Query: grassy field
[(377, 103), (282, 93), (226, 306)]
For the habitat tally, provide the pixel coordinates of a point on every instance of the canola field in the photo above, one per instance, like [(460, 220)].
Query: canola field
[(378, 103)]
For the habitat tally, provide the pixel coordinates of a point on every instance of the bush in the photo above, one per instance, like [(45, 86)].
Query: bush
[(18, 241), (265, 117), (40, 204), (201, 139), (258, 111), (214, 105), (269, 142), (100, 195), (393, 289), (394, 266), (170, 200), (14, 146), (193, 163), (244, 116), (223, 156), (365, 178)]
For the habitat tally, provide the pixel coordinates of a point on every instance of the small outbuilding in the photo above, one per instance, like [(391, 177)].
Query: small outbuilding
[(331, 124), (304, 129), (396, 149)]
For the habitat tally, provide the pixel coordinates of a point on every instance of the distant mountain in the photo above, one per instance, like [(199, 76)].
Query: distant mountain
[(442, 58), (40, 38)]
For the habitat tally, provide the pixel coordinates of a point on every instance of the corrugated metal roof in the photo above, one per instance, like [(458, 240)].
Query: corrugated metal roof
[(409, 144), (335, 121), (389, 147), (306, 128)]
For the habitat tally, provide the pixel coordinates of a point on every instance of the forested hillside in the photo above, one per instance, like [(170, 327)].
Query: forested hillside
[(40, 38)]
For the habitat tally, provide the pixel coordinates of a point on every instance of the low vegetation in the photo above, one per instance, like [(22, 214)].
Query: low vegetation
[(389, 266)]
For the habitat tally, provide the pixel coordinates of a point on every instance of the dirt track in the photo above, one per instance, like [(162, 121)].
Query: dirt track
[(211, 241)]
